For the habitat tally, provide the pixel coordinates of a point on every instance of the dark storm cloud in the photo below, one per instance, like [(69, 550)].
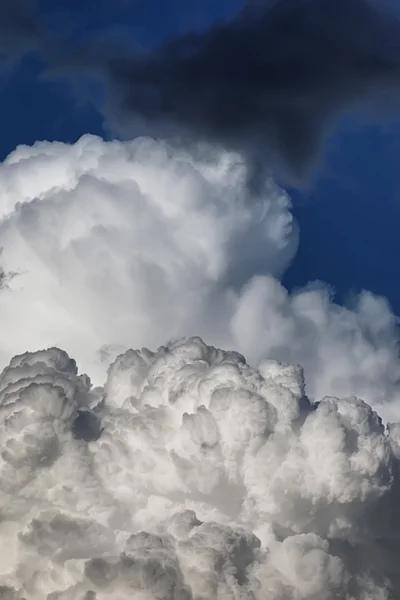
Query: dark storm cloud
[(268, 82)]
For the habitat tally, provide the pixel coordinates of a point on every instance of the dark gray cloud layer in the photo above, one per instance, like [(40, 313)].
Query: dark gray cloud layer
[(269, 80)]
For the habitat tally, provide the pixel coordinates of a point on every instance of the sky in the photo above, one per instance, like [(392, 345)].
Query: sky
[(347, 211), (349, 216), (199, 300)]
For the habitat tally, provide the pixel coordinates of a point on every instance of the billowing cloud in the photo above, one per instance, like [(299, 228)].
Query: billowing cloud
[(345, 350), (118, 245), (129, 243), (206, 479), (184, 473)]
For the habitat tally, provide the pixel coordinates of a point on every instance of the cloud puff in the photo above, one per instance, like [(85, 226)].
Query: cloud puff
[(345, 350), (129, 243), (119, 245), (208, 479)]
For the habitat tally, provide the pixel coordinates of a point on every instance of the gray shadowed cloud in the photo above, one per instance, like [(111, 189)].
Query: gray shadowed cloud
[(267, 83)]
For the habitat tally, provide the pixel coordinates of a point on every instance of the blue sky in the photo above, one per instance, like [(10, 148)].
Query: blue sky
[(349, 219), (349, 215)]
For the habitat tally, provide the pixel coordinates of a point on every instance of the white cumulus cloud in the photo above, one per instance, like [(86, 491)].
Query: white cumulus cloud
[(128, 243), (123, 244), (184, 473), (194, 476)]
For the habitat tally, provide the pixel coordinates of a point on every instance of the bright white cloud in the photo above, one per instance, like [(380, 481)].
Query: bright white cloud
[(128, 243), (345, 351), (194, 476), (120, 245)]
